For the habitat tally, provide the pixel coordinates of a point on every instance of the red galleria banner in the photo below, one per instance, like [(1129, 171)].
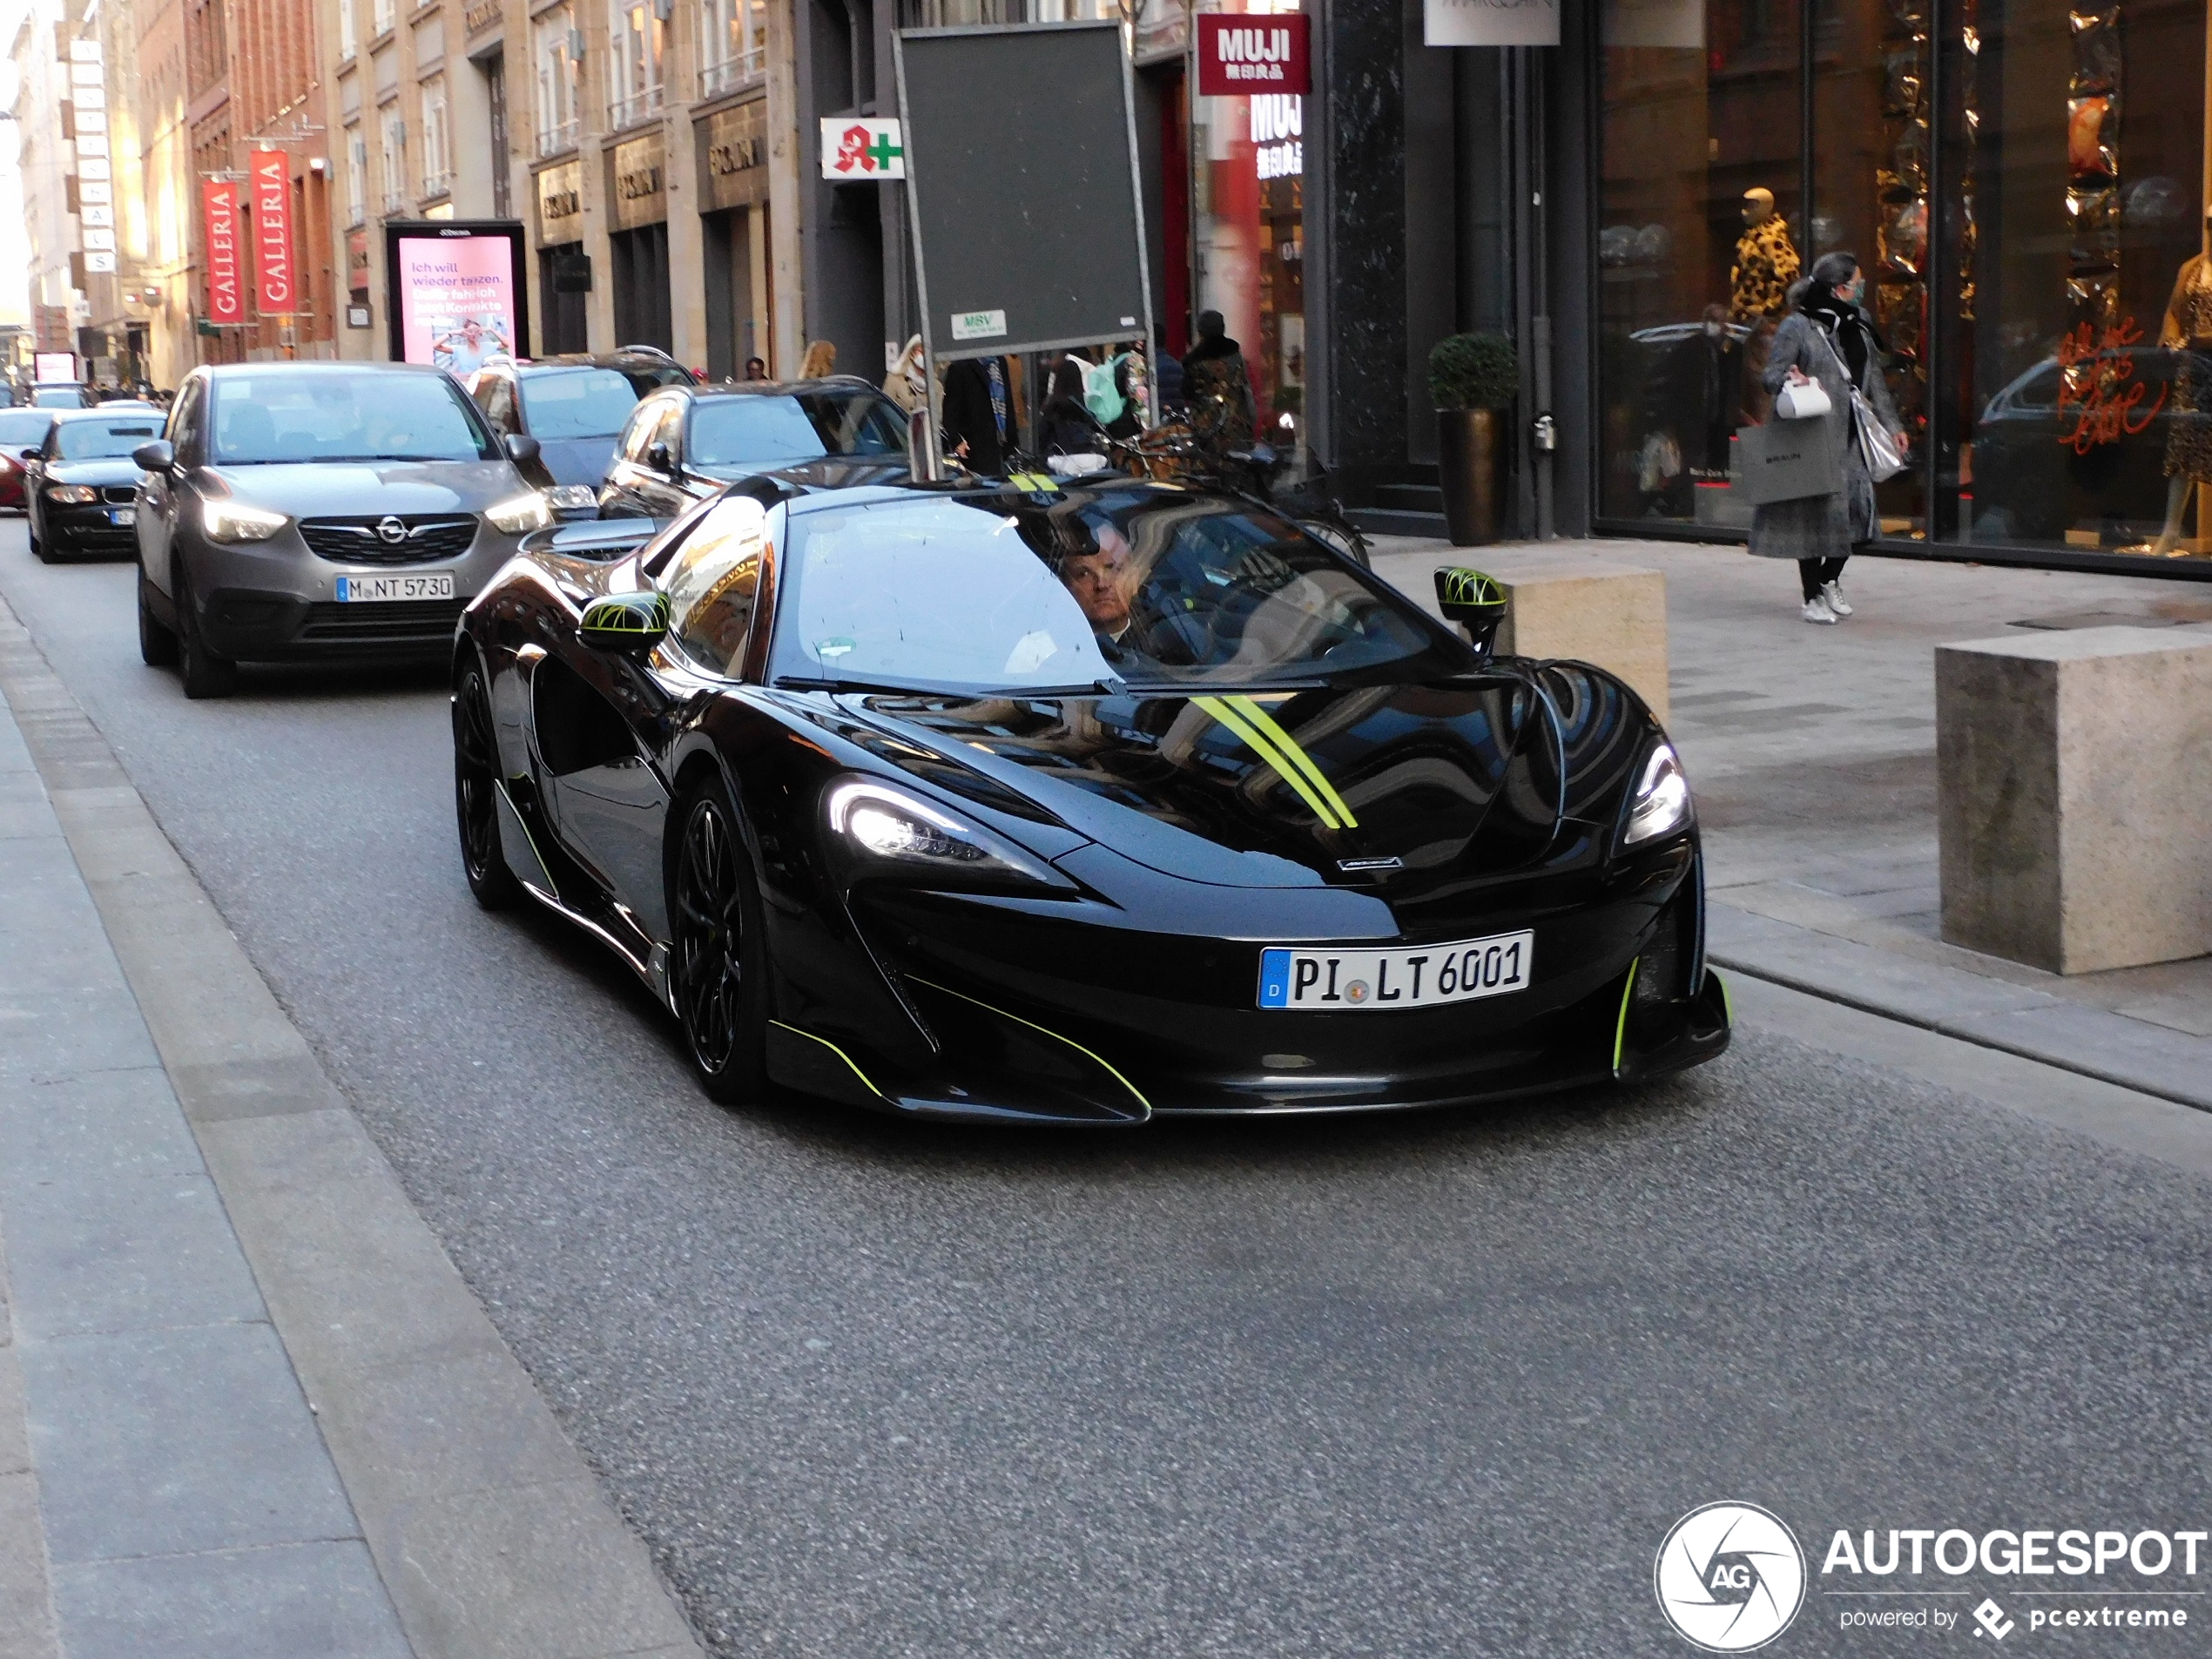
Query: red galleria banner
[(271, 170), (219, 207)]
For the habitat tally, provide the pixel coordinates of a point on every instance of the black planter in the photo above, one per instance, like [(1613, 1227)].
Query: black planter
[(1469, 449)]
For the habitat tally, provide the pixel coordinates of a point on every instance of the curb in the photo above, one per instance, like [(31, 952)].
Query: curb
[(492, 1535), (1994, 1013)]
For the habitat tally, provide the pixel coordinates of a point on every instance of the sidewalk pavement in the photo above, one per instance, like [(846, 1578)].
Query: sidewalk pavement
[(1812, 753), (248, 1410)]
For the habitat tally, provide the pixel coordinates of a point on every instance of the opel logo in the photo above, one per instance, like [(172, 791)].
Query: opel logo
[(390, 530)]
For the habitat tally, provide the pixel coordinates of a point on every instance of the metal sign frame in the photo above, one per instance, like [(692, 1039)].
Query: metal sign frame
[(917, 166)]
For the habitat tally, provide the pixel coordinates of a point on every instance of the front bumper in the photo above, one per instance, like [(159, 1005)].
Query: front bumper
[(276, 601), (86, 529), (1036, 1017)]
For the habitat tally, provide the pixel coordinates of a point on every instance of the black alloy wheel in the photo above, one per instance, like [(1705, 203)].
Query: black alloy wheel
[(476, 795), (157, 641), (719, 960), (205, 673)]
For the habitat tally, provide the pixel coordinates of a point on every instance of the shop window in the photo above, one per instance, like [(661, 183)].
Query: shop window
[(2084, 378)]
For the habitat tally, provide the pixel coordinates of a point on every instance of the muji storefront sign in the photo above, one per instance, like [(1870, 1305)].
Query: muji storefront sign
[(270, 173), (1251, 51)]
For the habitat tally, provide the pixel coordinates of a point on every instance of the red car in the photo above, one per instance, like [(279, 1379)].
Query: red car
[(20, 429)]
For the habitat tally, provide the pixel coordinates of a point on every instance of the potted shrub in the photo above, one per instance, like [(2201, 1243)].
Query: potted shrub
[(1473, 380)]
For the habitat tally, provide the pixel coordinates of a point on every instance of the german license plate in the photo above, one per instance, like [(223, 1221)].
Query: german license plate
[(1423, 976), (123, 515), (368, 590)]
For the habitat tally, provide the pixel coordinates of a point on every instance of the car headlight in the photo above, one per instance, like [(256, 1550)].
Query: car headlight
[(72, 495), (569, 498), (520, 513), (230, 520), (887, 827), (1661, 801)]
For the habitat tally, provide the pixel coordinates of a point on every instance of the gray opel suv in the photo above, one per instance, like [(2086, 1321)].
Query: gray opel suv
[(310, 510)]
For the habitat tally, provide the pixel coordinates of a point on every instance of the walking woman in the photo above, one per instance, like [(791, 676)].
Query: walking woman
[(1823, 339)]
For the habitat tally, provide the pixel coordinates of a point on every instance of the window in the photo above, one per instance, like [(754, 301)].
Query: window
[(335, 415), (582, 402), (756, 430), (640, 38), (384, 16), (733, 40), (394, 133), (637, 433), (356, 176), (437, 147), (556, 41), (347, 43), (713, 584)]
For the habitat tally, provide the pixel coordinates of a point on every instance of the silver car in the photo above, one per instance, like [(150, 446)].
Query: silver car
[(303, 512)]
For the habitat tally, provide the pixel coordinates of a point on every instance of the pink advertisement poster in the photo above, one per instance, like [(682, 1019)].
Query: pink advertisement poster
[(456, 300)]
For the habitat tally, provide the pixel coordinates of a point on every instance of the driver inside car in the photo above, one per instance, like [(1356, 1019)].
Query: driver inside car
[(1098, 572)]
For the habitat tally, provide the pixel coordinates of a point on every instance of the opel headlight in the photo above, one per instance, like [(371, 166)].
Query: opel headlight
[(230, 520), (520, 513), (885, 824), (1661, 802), (72, 495), (572, 498)]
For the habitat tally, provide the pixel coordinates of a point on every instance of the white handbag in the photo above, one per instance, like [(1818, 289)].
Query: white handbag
[(1802, 403)]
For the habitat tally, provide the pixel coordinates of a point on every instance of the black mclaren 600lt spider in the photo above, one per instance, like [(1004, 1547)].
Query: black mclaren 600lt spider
[(1074, 803)]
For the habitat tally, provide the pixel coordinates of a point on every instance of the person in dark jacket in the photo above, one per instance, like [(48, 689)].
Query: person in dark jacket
[(1217, 386), (1826, 339), (1065, 425), (979, 414)]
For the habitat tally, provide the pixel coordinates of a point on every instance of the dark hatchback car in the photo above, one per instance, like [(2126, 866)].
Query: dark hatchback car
[(575, 407), (21, 432), (684, 443), (84, 485)]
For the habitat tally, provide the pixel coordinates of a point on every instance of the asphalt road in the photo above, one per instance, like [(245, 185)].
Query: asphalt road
[(1433, 1386)]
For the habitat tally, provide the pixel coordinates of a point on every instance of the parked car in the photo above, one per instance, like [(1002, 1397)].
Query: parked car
[(21, 432), (62, 394), (2044, 467), (575, 407), (311, 510), (950, 803), (84, 486), (683, 444)]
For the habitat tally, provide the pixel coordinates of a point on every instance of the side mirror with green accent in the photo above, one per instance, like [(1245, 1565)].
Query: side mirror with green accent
[(628, 623), (1474, 599)]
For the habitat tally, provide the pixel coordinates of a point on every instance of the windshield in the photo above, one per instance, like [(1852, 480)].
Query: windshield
[(771, 430), (1154, 588), (60, 397), (20, 428), (104, 440), (581, 402), (338, 415)]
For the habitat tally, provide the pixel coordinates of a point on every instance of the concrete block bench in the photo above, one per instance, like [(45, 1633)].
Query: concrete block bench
[(1562, 604), (2074, 796)]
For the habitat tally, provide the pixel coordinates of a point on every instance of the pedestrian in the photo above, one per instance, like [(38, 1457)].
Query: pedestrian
[(756, 368), (819, 362), (979, 414), (905, 382), (1066, 426), (1217, 385), (1827, 340)]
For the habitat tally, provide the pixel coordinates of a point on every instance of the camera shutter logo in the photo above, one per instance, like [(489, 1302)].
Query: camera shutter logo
[(1729, 1577)]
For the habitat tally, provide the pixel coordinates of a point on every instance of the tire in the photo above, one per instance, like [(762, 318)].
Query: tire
[(476, 795), (719, 965), (157, 641), (1339, 536), (205, 673)]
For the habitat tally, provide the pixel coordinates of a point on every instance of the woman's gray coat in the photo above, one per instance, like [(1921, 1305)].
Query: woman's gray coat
[(1822, 526)]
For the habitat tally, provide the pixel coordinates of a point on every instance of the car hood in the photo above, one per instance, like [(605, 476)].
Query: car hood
[(311, 489), (832, 472), (117, 470), (576, 460), (1423, 789)]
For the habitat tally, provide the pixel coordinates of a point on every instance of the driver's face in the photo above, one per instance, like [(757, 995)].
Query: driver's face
[(1099, 581)]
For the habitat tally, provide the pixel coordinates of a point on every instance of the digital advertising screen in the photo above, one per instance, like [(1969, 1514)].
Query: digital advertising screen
[(456, 290)]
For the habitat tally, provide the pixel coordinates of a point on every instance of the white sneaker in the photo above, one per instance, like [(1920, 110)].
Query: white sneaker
[(1816, 611), (1833, 593)]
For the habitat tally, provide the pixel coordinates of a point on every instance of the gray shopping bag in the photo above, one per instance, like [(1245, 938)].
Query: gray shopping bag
[(1789, 460)]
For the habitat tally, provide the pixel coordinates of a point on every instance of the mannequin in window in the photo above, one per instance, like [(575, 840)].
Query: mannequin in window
[(1766, 261), (2188, 334)]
